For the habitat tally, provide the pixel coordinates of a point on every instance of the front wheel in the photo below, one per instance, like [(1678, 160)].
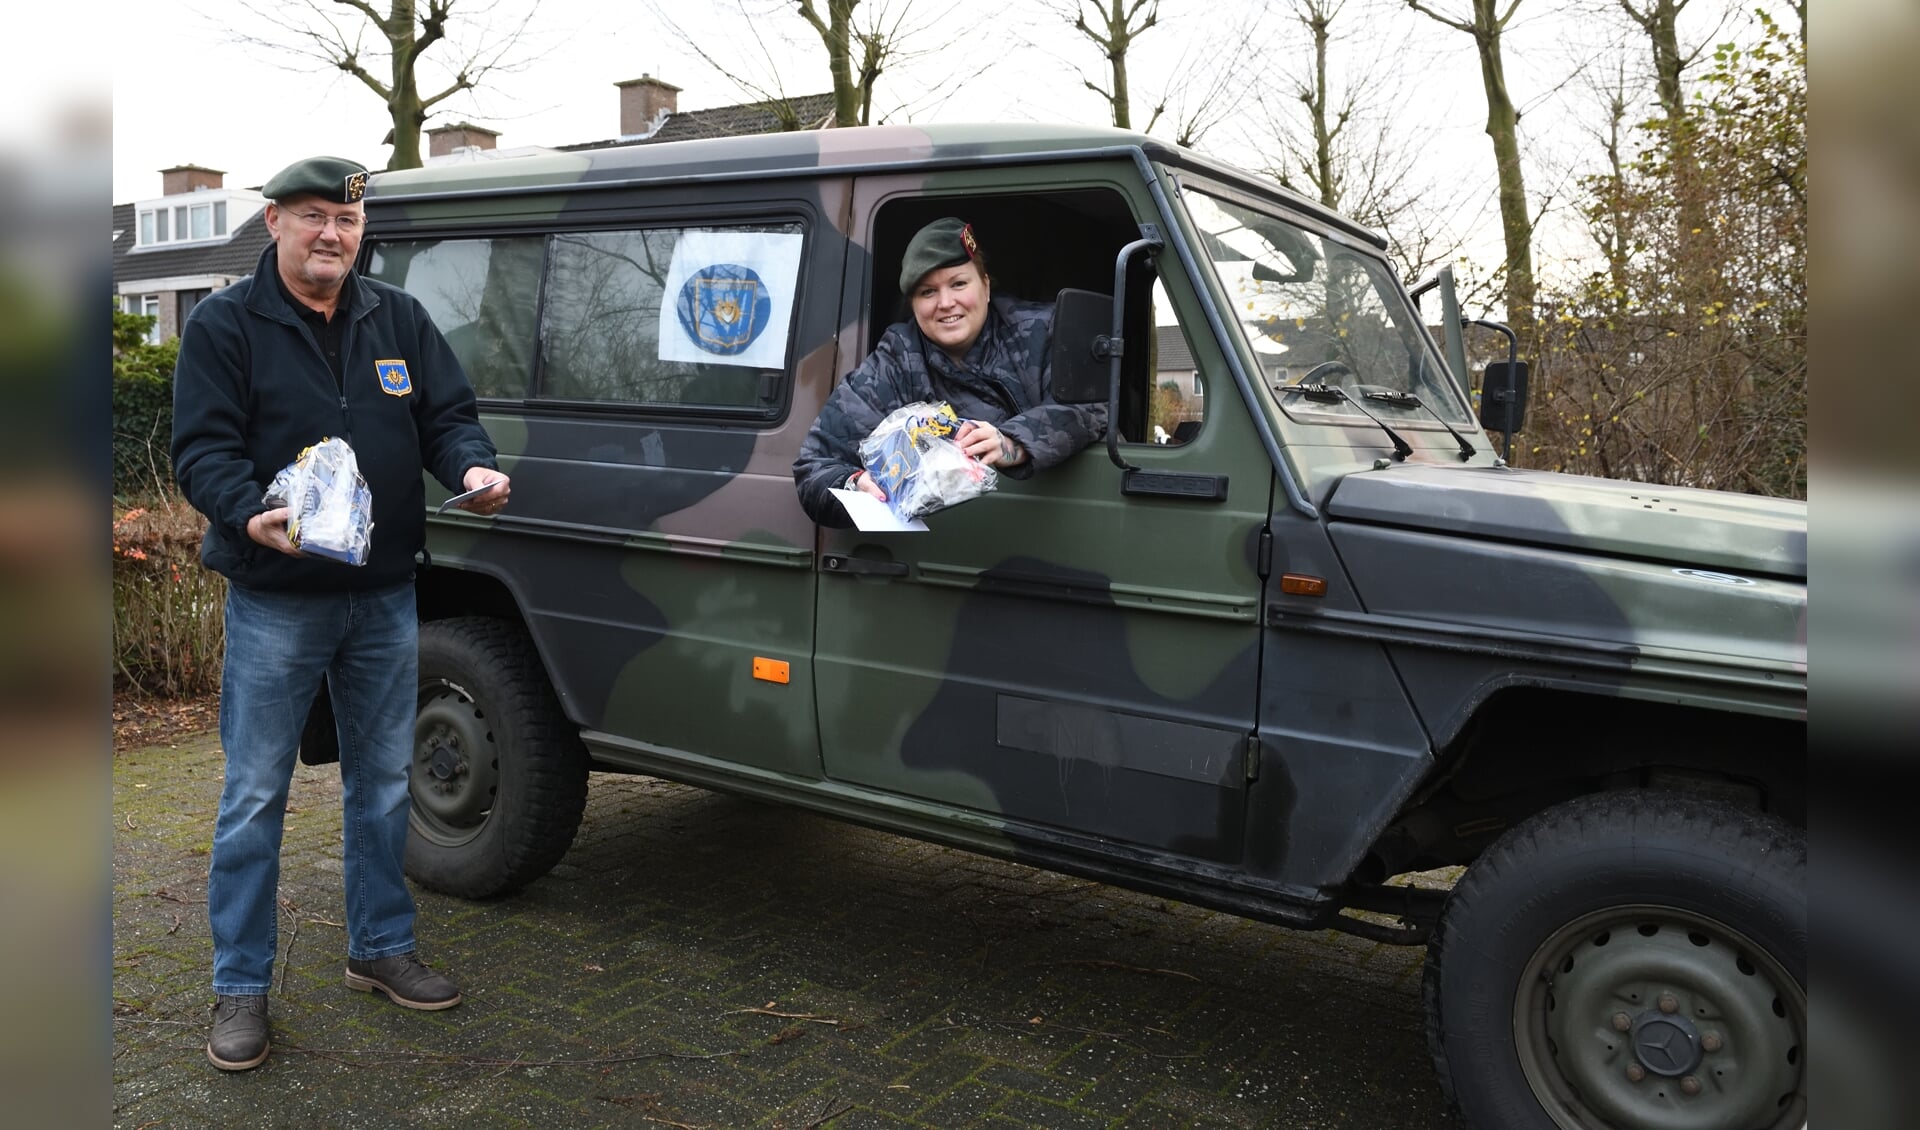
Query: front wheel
[(1627, 960), (499, 777)]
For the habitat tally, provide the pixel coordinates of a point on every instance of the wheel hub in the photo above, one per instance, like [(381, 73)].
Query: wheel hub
[(455, 765), (1666, 1045), (444, 763)]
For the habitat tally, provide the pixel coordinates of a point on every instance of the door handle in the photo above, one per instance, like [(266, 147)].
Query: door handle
[(861, 566)]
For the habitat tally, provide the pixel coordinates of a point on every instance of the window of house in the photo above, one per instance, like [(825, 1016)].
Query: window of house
[(183, 222), (148, 304)]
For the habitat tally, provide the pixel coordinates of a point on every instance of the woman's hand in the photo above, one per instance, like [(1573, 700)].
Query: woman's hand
[(864, 483), (989, 444)]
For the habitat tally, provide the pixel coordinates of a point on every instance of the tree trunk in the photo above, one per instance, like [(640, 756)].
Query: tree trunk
[(1318, 20), (1503, 126), (836, 32), (1117, 58)]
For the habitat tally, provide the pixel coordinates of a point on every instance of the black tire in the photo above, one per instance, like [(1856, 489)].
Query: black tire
[(1681, 916), (499, 776)]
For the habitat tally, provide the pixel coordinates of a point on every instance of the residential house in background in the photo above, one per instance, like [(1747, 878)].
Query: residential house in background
[(650, 113), (172, 250)]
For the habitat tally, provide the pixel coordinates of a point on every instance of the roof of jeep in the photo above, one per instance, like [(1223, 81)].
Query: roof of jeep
[(901, 148)]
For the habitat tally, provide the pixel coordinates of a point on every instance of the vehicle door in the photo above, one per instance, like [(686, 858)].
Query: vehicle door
[(1073, 663)]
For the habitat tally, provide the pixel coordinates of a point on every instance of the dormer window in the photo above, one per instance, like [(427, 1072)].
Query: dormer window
[(183, 223)]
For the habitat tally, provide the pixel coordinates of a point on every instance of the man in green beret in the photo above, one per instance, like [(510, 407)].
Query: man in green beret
[(305, 349)]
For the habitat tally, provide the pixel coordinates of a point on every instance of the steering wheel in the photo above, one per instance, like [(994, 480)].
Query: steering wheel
[(1319, 373)]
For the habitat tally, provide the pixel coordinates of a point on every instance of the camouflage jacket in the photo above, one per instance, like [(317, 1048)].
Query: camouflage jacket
[(1006, 380)]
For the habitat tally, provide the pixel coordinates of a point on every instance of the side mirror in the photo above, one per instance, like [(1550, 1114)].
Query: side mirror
[(1503, 397), (1082, 321)]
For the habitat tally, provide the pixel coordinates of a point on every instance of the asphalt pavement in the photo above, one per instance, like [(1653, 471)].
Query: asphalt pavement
[(699, 960)]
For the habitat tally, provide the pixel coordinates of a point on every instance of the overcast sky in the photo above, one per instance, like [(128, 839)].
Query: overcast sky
[(184, 91)]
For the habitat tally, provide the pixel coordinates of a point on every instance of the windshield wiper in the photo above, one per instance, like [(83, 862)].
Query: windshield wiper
[(1334, 394), (1408, 400)]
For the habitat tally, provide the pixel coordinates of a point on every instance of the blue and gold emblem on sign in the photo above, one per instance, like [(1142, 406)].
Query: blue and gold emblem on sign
[(394, 380), (723, 308)]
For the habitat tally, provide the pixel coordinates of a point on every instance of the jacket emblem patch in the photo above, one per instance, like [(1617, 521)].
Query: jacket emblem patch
[(394, 380)]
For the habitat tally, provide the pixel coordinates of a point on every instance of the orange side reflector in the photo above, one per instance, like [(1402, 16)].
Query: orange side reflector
[(1299, 584), (772, 670)]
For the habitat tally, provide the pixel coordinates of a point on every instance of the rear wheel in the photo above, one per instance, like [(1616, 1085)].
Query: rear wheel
[(1627, 960), (499, 776)]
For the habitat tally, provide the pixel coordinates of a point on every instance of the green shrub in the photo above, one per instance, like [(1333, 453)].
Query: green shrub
[(142, 408), (169, 628)]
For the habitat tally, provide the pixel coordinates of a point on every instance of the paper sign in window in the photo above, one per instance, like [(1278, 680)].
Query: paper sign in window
[(728, 298)]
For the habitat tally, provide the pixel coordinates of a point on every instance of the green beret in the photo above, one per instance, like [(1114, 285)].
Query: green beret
[(333, 179), (946, 242)]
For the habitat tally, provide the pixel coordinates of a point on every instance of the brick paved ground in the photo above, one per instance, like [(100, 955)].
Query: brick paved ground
[(703, 961)]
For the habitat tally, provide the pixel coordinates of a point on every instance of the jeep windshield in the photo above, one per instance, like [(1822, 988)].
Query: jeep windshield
[(1316, 312)]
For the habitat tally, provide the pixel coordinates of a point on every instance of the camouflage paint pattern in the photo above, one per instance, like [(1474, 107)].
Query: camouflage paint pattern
[(1101, 682)]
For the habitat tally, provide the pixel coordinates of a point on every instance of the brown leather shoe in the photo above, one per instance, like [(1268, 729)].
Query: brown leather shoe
[(239, 1040), (405, 979)]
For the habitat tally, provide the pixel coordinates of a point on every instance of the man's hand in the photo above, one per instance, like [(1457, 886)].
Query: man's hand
[(989, 444), (270, 529), (494, 500), (864, 483)]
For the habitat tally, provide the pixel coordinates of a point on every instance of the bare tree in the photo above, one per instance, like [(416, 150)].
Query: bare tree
[(1340, 143), (355, 37), (1658, 21), (1609, 220), (1207, 83), (1113, 30), (865, 39), (1487, 25), (1202, 82)]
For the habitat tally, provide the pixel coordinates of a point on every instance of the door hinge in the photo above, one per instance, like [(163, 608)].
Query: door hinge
[(1263, 563), (1253, 757)]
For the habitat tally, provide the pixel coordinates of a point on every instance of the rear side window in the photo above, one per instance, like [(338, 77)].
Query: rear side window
[(483, 294), (669, 318)]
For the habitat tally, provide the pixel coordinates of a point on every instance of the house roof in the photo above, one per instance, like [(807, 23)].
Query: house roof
[(774, 115), (1175, 353), (236, 256)]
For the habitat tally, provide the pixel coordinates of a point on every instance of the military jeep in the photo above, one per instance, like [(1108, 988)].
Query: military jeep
[(1293, 633)]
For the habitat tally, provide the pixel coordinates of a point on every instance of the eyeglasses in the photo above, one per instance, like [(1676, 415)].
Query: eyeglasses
[(318, 221)]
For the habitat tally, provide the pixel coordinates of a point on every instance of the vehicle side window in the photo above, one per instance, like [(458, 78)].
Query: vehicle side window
[(1178, 403), (668, 316), (483, 295)]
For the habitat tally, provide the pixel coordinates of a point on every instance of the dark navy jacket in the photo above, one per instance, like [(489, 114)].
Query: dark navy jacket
[(1006, 379), (252, 388)]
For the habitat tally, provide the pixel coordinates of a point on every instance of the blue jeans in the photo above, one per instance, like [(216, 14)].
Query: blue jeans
[(279, 646)]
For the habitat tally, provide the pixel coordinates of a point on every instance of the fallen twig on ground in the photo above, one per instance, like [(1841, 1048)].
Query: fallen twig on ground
[(768, 1010)]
